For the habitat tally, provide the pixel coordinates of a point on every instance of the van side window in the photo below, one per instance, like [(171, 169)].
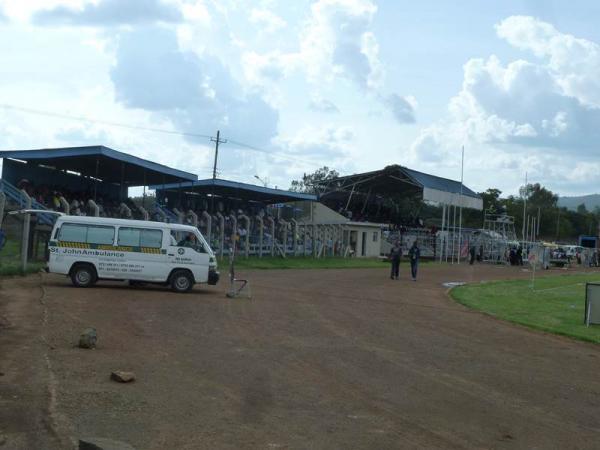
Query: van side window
[(90, 234), (100, 235), (72, 232), (140, 237), (151, 238)]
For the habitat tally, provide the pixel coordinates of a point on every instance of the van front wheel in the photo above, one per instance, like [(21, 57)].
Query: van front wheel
[(83, 275), (181, 281)]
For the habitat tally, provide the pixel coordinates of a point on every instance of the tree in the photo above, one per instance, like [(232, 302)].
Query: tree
[(310, 182), (540, 197), (491, 201)]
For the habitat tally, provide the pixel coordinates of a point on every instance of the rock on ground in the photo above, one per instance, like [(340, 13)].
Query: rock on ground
[(94, 443), (122, 376), (88, 338)]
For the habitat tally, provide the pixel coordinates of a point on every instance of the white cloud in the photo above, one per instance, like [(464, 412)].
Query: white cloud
[(110, 12), (334, 42), (266, 20), (402, 108), (263, 69), (327, 143), (575, 62), (196, 92), (320, 104), (195, 11), (539, 109)]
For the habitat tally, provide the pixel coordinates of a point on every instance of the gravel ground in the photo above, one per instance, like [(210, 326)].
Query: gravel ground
[(320, 359)]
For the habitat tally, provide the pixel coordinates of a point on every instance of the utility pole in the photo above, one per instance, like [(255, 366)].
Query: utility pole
[(217, 141)]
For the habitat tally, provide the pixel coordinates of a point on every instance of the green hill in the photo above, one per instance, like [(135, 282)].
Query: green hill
[(590, 201)]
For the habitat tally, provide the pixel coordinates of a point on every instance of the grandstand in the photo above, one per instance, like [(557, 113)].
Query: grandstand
[(78, 180), (377, 196), (264, 221), (356, 212)]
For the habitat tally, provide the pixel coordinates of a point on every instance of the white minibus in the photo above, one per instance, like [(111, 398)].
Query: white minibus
[(88, 249)]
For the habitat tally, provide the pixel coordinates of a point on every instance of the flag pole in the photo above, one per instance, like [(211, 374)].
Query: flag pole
[(462, 171)]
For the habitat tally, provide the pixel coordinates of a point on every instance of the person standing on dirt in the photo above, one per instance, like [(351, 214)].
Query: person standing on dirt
[(520, 256), (395, 255), (414, 254), (472, 253)]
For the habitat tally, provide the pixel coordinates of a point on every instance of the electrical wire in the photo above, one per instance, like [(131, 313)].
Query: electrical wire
[(158, 130), (103, 122)]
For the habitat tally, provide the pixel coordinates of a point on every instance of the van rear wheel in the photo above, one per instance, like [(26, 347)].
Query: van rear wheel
[(83, 275), (181, 281)]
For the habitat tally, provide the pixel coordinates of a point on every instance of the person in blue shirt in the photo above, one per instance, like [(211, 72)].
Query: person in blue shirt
[(414, 254)]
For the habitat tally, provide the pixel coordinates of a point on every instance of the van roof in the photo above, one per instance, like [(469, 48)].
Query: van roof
[(124, 222)]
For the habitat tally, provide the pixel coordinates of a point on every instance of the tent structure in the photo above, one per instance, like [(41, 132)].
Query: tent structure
[(397, 180)]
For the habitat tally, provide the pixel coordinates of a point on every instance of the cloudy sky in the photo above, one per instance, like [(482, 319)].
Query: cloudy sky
[(295, 85)]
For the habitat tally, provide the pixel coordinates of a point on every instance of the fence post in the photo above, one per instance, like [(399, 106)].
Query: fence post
[(92, 204), (194, 217), (284, 235), (313, 239), (180, 215), (208, 219), (65, 205), (2, 203), (124, 210), (295, 236), (261, 232), (246, 219), (145, 214), (25, 236), (221, 233), (233, 229), (272, 235)]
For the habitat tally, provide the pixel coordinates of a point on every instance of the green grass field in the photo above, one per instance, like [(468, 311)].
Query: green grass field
[(10, 260), (270, 262), (556, 305)]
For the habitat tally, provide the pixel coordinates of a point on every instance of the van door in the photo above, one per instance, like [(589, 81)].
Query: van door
[(144, 254), (187, 251)]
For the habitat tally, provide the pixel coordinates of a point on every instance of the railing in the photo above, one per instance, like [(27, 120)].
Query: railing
[(166, 212), (13, 193)]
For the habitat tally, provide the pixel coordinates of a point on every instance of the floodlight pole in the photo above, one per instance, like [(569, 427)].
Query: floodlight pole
[(524, 208), (442, 239), (462, 171)]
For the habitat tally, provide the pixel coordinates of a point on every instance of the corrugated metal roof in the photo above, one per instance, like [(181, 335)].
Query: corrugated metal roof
[(439, 183), (229, 187), (83, 160), (396, 180)]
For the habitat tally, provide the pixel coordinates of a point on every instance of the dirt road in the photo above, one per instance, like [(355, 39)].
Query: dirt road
[(317, 359)]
